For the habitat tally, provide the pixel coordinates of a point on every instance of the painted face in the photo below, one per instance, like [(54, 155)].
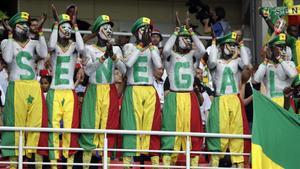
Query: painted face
[(229, 49), (65, 30), (105, 32), (185, 42), (280, 26), (141, 32), (22, 28)]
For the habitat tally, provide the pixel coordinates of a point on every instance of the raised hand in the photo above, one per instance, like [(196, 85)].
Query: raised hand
[(41, 21), (54, 12), (288, 92), (6, 25), (187, 20), (74, 17), (178, 23)]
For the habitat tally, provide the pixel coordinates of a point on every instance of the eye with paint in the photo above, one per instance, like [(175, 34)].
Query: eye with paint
[(185, 42), (105, 32)]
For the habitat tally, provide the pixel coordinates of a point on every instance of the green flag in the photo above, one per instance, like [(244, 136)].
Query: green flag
[(275, 135)]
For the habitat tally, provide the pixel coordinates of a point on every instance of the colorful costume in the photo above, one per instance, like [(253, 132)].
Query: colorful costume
[(181, 111), (61, 98), (141, 106), (227, 113), (24, 105), (100, 108), (276, 76)]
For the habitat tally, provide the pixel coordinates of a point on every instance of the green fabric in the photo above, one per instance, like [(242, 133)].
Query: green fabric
[(18, 17), (3, 15), (64, 18), (228, 38), (169, 120), (88, 118), (278, 40), (291, 42), (101, 20), (8, 138), (212, 126), (296, 80), (128, 121), (49, 101), (276, 131), (139, 23)]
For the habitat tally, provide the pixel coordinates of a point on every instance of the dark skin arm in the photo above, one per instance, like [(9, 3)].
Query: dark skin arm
[(288, 92)]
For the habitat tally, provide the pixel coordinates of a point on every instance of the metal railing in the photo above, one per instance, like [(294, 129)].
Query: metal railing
[(105, 148)]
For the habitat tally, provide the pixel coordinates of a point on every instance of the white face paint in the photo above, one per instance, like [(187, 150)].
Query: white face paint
[(141, 32), (185, 42), (65, 30), (22, 28), (229, 49), (105, 32)]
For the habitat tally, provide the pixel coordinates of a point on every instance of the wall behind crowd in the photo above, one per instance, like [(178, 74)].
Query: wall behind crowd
[(124, 13)]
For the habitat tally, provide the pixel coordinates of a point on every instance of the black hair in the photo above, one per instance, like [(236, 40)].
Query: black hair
[(48, 78), (220, 12), (33, 19)]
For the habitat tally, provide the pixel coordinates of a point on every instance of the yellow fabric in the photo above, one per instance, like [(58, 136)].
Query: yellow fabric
[(102, 108), (298, 54), (278, 100), (70, 160), (28, 111), (231, 122), (53, 164), (155, 161), (144, 100), (194, 161), (63, 107), (13, 159), (38, 158), (86, 158), (260, 160), (127, 160), (183, 119)]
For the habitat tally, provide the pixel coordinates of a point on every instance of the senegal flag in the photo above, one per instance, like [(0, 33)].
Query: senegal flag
[(275, 136)]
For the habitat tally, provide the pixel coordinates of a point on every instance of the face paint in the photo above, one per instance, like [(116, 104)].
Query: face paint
[(141, 32), (185, 42), (65, 30), (22, 28), (105, 32)]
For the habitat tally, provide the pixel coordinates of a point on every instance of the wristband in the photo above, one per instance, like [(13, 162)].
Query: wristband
[(41, 33), (193, 33), (75, 27), (10, 35), (175, 33), (139, 47), (280, 60)]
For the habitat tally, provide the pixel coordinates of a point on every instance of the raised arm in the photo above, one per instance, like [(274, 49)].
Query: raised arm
[(289, 68), (200, 49), (170, 43), (79, 41), (41, 47), (7, 48), (244, 57), (261, 72), (155, 57), (53, 37), (212, 56), (131, 54)]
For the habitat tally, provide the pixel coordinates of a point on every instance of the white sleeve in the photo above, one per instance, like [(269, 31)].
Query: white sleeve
[(119, 63), (41, 47), (92, 64), (79, 42), (155, 57), (244, 57), (212, 56), (289, 68), (131, 54), (200, 49), (169, 46), (7, 50), (53, 38), (260, 73)]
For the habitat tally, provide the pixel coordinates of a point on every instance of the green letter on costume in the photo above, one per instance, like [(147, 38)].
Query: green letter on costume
[(104, 69), (60, 70), (182, 81), (21, 65), (140, 66), (272, 89), (228, 80)]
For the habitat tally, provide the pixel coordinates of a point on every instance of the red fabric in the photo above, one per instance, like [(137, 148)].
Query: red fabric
[(156, 126), (294, 19), (113, 119), (196, 123), (247, 142), (45, 72), (75, 124), (43, 140), (293, 105)]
